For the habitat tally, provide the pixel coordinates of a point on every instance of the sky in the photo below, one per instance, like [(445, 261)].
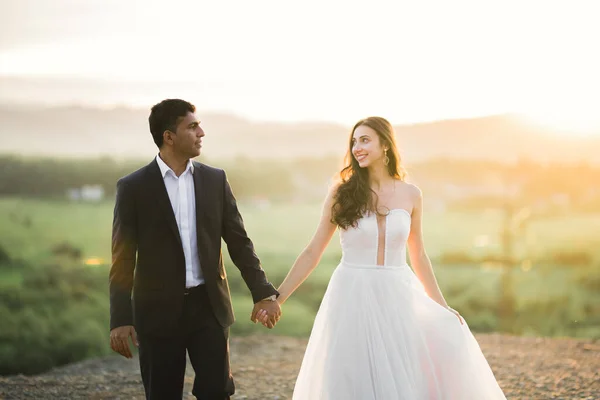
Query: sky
[(409, 61)]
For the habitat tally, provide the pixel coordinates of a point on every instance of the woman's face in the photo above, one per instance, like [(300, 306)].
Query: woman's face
[(366, 146)]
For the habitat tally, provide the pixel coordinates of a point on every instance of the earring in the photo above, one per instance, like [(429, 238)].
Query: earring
[(386, 159)]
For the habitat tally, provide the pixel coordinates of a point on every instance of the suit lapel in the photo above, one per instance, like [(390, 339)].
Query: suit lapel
[(160, 191), (200, 188), (199, 193)]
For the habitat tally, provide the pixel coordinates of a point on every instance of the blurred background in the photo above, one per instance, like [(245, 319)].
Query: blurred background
[(495, 106)]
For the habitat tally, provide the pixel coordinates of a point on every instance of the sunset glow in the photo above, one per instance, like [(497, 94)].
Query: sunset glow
[(563, 121), (278, 61)]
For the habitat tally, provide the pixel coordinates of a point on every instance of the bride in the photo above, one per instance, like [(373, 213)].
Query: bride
[(382, 332)]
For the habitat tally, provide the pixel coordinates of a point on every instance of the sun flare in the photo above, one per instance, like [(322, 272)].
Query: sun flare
[(576, 123)]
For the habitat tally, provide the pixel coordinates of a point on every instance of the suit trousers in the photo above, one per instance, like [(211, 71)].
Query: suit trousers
[(163, 358)]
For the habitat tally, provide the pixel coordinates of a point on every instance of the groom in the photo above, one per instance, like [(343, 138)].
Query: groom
[(169, 219)]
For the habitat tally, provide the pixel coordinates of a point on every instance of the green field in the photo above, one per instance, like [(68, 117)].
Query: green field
[(279, 230), (549, 299)]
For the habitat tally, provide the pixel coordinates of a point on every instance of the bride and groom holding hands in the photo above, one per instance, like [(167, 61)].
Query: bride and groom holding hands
[(383, 330)]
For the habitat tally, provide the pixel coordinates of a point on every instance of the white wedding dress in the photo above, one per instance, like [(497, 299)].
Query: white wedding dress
[(378, 336)]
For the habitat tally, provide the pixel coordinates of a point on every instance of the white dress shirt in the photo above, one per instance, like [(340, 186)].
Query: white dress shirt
[(183, 200)]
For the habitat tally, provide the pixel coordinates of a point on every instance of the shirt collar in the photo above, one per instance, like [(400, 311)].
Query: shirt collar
[(164, 168)]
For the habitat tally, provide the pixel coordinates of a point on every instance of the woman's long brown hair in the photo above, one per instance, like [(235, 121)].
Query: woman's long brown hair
[(354, 197)]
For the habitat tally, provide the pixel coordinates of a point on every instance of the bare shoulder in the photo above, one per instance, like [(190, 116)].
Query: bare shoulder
[(412, 190), (332, 189), (330, 198)]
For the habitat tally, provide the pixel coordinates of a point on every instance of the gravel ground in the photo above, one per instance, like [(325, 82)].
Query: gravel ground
[(265, 368)]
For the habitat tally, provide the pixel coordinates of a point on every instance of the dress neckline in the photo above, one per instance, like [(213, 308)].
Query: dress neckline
[(393, 210)]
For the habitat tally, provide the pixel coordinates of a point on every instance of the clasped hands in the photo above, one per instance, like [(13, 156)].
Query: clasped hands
[(266, 312)]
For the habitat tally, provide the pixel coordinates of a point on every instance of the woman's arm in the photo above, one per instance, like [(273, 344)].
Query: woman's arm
[(416, 249), (311, 255)]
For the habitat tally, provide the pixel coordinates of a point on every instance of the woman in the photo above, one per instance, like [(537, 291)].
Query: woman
[(382, 332)]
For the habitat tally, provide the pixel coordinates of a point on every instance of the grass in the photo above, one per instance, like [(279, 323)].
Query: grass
[(30, 228)]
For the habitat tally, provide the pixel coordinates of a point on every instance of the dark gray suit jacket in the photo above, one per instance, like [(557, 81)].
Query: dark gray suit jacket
[(147, 255)]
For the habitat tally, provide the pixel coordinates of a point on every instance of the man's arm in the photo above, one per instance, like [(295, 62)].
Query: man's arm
[(124, 249), (241, 249)]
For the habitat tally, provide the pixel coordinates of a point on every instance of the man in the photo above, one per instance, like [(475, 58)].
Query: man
[(169, 219)]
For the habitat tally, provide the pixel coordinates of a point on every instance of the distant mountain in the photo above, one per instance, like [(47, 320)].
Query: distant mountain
[(123, 133), (497, 138)]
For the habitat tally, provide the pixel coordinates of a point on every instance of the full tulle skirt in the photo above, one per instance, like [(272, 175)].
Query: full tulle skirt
[(378, 336)]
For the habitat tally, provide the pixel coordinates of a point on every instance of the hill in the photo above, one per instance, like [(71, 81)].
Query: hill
[(121, 132)]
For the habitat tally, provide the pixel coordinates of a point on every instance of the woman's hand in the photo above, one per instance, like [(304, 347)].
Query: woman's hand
[(267, 312), (453, 311)]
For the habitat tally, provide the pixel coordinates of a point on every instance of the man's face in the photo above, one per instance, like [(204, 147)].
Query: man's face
[(187, 140)]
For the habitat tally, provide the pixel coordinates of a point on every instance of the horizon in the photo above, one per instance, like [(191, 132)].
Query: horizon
[(87, 131), (518, 118), (80, 97), (99, 106)]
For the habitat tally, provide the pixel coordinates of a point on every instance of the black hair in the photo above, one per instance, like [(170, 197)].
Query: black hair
[(166, 115)]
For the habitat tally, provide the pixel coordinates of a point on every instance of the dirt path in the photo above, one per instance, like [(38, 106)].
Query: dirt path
[(265, 368)]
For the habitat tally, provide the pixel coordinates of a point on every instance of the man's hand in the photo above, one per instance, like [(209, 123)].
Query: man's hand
[(266, 312), (119, 340)]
